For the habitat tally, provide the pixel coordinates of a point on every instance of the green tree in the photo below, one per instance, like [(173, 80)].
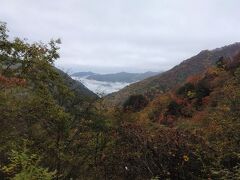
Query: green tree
[(24, 165)]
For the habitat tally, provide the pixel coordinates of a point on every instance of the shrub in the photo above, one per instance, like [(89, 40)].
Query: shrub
[(174, 108), (135, 103), (185, 89), (25, 165)]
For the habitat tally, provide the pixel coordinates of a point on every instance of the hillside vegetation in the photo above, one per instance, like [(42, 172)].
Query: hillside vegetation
[(190, 132), (177, 75), (51, 129)]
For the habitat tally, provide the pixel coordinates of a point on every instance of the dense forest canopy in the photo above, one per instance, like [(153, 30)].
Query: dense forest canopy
[(47, 131)]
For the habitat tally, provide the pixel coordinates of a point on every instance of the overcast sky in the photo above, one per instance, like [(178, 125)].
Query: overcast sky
[(125, 35)]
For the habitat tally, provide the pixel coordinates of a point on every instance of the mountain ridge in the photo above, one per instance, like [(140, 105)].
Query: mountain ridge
[(175, 76), (125, 77)]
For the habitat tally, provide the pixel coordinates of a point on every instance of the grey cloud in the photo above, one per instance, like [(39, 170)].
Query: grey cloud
[(123, 35)]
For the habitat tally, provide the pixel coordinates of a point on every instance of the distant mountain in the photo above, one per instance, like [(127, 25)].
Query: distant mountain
[(83, 74), (177, 75), (116, 77)]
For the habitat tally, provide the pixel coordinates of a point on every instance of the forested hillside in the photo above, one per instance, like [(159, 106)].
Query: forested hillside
[(77, 87), (190, 132), (44, 113), (51, 129), (177, 75)]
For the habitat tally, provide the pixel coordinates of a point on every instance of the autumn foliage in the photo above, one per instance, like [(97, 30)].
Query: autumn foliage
[(185, 131), (11, 82)]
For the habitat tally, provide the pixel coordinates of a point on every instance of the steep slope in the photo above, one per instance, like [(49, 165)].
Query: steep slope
[(196, 124), (175, 76), (77, 87), (116, 77)]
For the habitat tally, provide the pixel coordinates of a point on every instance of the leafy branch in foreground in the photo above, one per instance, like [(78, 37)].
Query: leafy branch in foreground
[(25, 165)]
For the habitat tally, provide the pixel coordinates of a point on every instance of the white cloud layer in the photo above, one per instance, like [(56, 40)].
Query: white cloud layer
[(125, 35)]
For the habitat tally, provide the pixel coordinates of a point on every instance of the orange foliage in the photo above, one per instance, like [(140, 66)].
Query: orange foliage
[(206, 100), (167, 119), (194, 79), (199, 116), (6, 82), (161, 118), (180, 101), (177, 99)]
